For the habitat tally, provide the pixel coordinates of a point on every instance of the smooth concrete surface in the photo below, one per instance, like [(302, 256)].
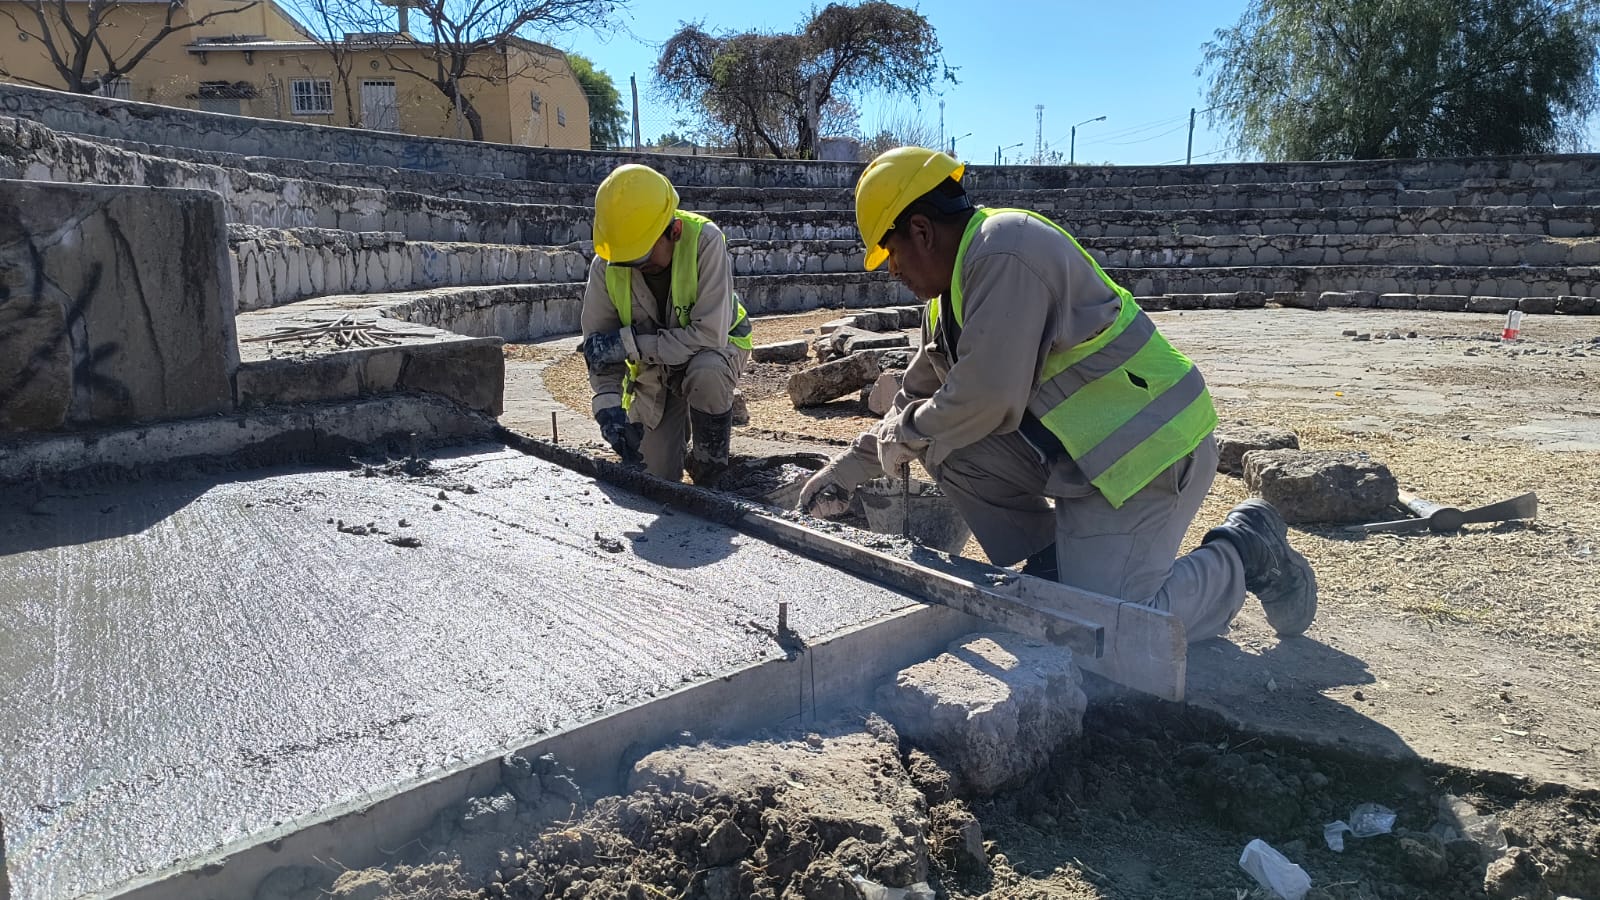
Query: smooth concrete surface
[(193, 663)]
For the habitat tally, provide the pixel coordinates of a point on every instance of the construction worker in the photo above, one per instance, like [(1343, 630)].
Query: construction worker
[(665, 337), (1038, 377)]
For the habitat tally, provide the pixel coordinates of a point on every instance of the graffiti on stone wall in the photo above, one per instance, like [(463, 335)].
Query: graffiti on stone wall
[(39, 370)]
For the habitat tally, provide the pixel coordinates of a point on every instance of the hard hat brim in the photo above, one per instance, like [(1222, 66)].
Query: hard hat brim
[(875, 257)]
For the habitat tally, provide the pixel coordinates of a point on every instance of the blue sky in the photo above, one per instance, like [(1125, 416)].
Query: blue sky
[(1132, 62)]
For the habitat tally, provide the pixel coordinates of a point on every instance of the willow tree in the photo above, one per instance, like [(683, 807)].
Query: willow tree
[(1372, 79)]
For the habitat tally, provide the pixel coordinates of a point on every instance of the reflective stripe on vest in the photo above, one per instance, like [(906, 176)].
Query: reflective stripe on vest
[(684, 291), (1125, 404)]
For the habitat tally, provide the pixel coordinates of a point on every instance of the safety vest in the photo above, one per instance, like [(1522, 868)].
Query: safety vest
[(684, 291), (1125, 404)]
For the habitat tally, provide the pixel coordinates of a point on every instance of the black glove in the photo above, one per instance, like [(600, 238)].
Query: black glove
[(623, 436), (604, 349)]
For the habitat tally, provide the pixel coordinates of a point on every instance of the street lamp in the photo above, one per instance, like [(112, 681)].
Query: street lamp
[(1072, 148), (953, 142), (999, 151)]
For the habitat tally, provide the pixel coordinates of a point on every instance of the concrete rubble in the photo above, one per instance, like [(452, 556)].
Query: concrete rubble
[(1234, 441), (832, 380), (993, 707)]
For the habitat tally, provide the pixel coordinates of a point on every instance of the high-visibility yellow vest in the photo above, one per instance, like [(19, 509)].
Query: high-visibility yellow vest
[(684, 291), (1125, 404)]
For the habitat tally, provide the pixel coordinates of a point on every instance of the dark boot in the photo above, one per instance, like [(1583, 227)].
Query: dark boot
[(1043, 565), (708, 452), (1274, 571)]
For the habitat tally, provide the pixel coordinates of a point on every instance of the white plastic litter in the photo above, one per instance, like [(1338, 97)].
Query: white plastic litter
[(1371, 820), (1273, 871), (1334, 833), (871, 890)]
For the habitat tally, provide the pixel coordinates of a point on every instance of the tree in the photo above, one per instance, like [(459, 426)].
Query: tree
[(777, 91), (1374, 79), (95, 43), (608, 119), (467, 41)]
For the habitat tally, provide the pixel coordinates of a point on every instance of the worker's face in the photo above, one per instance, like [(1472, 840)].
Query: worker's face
[(913, 260), (660, 257)]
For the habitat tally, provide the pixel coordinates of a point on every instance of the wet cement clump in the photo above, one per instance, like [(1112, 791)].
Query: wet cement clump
[(1154, 800)]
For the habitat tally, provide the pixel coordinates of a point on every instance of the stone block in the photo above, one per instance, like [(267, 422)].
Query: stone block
[(1234, 441), (995, 707), (881, 395), (1334, 300), (1153, 304), (894, 360), (781, 352), (1397, 301), (1537, 305), (1187, 301), (856, 341), (116, 305), (910, 316), (1295, 300), (1219, 301), (1442, 302), (1322, 485), (1491, 304), (832, 380), (1569, 305), (1250, 300), (832, 325)]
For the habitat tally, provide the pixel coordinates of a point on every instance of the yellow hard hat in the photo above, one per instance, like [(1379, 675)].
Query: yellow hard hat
[(632, 208), (888, 186)]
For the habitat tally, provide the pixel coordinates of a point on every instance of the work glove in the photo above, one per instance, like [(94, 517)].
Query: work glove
[(827, 493), (623, 436), (894, 456), (604, 349)]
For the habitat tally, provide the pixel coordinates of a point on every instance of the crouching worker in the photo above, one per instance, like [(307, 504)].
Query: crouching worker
[(665, 338), (1071, 435)]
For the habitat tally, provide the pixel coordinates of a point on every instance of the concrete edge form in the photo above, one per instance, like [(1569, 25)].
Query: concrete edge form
[(307, 433), (809, 683)]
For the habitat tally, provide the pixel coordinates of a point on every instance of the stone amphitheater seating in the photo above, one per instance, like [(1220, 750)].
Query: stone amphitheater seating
[(489, 241)]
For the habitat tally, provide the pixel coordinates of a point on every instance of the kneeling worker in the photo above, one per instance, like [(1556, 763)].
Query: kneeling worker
[(665, 337), (1039, 377)]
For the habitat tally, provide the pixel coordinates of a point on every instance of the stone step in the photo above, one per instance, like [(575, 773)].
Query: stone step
[(378, 354), (277, 266), (526, 312), (1247, 195), (1342, 249), (158, 125), (1472, 281)]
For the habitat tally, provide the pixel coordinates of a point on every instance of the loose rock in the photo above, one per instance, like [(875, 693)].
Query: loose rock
[(1234, 441), (781, 352), (1321, 486), (833, 380), (881, 397)]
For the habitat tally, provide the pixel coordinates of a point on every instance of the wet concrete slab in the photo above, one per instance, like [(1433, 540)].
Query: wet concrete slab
[(190, 663)]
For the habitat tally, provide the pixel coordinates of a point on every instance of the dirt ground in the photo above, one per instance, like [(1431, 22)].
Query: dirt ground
[(1475, 648)]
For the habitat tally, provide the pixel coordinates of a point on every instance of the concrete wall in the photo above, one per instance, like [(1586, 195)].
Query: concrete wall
[(113, 306)]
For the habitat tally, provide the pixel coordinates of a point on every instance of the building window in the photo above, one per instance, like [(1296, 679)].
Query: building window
[(120, 89), (311, 96), (561, 117)]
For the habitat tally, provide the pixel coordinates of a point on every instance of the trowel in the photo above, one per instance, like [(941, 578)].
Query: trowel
[(1437, 517)]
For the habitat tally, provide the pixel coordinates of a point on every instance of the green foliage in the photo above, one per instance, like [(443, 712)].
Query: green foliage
[(778, 93), (608, 118), (1378, 79)]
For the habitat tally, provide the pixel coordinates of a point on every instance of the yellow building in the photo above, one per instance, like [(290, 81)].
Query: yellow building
[(261, 62)]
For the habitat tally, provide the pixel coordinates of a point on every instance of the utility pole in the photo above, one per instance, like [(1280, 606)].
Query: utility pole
[(1188, 157), (1038, 134), (633, 82), (1072, 148), (941, 121)]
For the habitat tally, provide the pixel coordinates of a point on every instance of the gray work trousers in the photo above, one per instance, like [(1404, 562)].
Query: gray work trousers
[(706, 382), (1000, 485)]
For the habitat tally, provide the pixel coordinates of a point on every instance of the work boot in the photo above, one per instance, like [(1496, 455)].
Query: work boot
[(1274, 571), (1043, 565), (708, 452)]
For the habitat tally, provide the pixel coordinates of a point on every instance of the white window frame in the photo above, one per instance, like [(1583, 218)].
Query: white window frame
[(118, 89), (311, 96), (561, 117)]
